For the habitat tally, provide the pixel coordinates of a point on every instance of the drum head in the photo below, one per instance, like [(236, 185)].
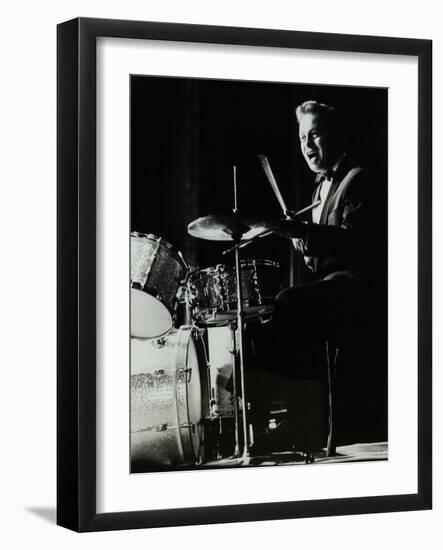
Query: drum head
[(149, 317)]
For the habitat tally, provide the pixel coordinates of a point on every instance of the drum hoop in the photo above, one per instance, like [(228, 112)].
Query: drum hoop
[(207, 318), (185, 334), (222, 267), (259, 262), (158, 296), (178, 360), (204, 270)]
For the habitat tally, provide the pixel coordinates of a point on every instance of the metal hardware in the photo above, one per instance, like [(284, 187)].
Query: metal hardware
[(164, 427), (160, 372), (186, 370), (159, 342)]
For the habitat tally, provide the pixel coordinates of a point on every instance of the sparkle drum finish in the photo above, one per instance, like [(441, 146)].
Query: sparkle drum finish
[(157, 271), (212, 292), (169, 399)]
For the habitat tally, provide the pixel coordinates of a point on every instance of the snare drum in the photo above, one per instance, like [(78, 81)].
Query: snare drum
[(169, 399), (157, 271), (212, 292)]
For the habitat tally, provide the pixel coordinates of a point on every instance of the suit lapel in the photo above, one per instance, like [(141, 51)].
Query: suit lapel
[(341, 172), (337, 179), (316, 193), (325, 210)]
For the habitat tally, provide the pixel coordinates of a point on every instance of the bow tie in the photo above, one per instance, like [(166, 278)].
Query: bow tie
[(328, 175)]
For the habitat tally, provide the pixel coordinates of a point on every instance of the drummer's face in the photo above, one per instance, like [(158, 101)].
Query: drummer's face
[(315, 142)]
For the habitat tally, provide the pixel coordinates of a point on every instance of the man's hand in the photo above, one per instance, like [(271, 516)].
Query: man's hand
[(289, 229)]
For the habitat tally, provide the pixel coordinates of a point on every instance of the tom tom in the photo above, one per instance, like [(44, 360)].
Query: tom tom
[(157, 270), (169, 399), (212, 292)]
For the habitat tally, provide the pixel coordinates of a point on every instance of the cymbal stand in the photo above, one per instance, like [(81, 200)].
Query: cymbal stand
[(240, 324), (233, 328)]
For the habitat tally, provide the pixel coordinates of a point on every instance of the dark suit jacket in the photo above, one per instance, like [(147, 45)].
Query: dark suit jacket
[(351, 236)]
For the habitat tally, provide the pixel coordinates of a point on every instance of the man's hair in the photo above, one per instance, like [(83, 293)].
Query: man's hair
[(329, 115)]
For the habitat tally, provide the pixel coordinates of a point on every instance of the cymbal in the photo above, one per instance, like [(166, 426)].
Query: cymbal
[(226, 227)]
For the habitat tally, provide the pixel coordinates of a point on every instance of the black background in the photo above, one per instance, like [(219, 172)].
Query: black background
[(186, 135)]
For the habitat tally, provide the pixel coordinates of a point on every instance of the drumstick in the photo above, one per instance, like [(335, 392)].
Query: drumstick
[(267, 169), (249, 241), (306, 209), (268, 172), (269, 231)]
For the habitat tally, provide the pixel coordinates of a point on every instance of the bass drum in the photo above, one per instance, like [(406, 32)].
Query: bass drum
[(169, 400)]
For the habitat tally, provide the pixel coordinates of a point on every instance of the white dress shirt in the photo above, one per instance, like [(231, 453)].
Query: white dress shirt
[(324, 190), (317, 211)]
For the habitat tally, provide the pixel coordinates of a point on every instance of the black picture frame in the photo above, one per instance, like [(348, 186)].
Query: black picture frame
[(76, 265)]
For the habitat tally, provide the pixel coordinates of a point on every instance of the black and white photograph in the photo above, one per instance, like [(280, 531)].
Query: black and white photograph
[(244, 274), (221, 249), (258, 274)]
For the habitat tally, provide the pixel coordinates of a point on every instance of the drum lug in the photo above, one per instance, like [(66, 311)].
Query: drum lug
[(159, 343), (192, 292), (214, 409), (160, 428), (159, 372), (189, 425), (198, 332), (256, 286), (181, 293), (165, 427), (186, 370), (220, 286)]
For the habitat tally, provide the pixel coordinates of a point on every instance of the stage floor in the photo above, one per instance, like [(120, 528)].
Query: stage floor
[(359, 452)]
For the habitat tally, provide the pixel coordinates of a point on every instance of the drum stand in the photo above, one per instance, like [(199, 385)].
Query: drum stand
[(240, 324), (233, 228), (233, 329)]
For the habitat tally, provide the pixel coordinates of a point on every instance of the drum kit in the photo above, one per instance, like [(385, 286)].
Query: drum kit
[(179, 375), (187, 380)]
